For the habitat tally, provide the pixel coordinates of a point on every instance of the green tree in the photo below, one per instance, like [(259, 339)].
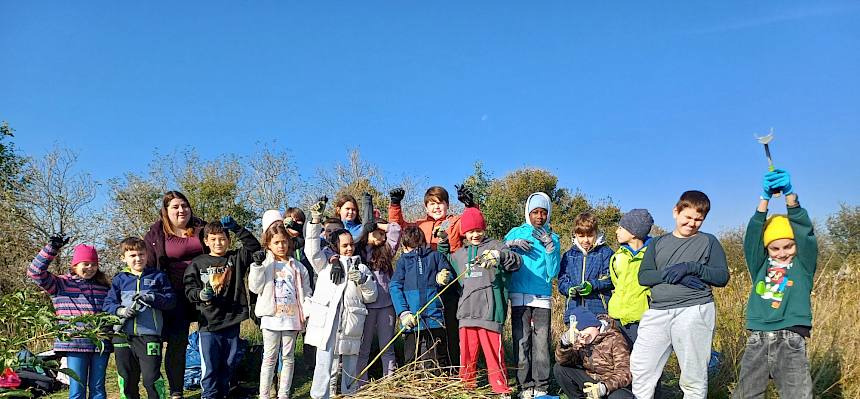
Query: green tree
[(844, 229)]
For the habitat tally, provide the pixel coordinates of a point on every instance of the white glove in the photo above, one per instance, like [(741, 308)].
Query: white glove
[(407, 320), (490, 258), (443, 277), (354, 275)]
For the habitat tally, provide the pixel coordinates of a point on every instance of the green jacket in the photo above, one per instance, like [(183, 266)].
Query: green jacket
[(780, 296), (630, 300)]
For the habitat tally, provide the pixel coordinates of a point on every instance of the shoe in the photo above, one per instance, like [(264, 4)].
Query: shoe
[(538, 394), (176, 395), (504, 396), (526, 393)]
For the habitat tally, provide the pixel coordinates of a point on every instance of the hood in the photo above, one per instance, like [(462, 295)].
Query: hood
[(543, 200), (644, 245), (600, 241), (607, 325)]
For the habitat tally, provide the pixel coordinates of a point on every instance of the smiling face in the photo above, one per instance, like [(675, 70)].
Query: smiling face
[(436, 209), (218, 243), (348, 211), (475, 237), (179, 213), (345, 247), (688, 221), (782, 250), (85, 270), (537, 217), (135, 260)]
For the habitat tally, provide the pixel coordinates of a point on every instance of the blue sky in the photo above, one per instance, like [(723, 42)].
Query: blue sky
[(634, 100)]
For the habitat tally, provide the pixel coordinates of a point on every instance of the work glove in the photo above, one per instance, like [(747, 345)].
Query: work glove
[(572, 292), (259, 257), (336, 274), (145, 297), (780, 181), (673, 274), (355, 276), (520, 244), (570, 336), (584, 289), (127, 312), (58, 240), (206, 293), (544, 235), (292, 224), (766, 190), (443, 246), (489, 258), (694, 282), (594, 390), (230, 224), (317, 209), (396, 195), (443, 277), (407, 320), (465, 195)]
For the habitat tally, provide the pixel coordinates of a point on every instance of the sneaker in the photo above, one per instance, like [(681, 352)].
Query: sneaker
[(526, 393), (504, 396), (176, 395), (538, 394)]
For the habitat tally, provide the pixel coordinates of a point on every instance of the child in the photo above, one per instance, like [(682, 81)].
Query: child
[(419, 276), (282, 284), (337, 310), (346, 208), (531, 295), (82, 291), (215, 283), (482, 308), (296, 230), (781, 254), (584, 276), (138, 295), (630, 299), (680, 268), (592, 359)]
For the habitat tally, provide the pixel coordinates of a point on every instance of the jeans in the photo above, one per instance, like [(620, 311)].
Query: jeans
[(90, 368), (277, 343), (530, 328), (218, 351), (779, 355), (572, 381)]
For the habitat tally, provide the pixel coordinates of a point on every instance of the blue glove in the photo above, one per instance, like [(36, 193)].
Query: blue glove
[(673, 274), (230, 224), (691, 281), (766, 190), (780, 181)]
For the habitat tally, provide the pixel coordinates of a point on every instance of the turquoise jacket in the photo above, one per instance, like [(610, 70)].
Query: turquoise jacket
[(538, 268)]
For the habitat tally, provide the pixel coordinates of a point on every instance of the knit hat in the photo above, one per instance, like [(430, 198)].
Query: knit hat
[(84, 253), (472, 219), (271, 216), (584, 318), (638, 222), (538, 200), (777, 227)]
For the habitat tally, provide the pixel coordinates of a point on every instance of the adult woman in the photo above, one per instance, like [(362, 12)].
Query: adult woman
[(172, 242)]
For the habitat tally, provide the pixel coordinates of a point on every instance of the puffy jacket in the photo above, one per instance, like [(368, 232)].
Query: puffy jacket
[(539, 267), (592, 266), (261, 281), (123, 288), (629, 300), (606, 359), (427, 224), (414, 284), (484, 300)]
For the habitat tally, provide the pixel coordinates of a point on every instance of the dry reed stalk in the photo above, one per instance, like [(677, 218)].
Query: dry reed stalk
[(413, 381)]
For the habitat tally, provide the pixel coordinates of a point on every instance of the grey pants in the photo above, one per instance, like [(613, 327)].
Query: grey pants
[(530, 328), (274, 343), (689, 332), (778, 355)]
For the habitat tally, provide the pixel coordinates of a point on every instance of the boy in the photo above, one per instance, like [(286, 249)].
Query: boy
[(781, 254), (531, 295), (215, 283), (137, 295), (483, 304), (420, 274), (680, 267), (592, 359), (584, 275), (630, 299)]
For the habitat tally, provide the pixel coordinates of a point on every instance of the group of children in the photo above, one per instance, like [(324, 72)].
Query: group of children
[(336, 280)]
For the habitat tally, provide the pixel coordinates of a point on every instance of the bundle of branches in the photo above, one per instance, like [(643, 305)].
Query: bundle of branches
[(418, 381)]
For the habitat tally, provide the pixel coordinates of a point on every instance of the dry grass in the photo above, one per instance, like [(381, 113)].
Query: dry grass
[(414, 382)]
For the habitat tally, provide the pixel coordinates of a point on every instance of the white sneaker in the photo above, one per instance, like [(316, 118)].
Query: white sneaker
[(538, 393), (526, 394)]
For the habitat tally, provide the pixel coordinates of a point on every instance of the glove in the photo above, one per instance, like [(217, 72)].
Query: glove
[(594, 390), (259, 257), (544, 235), (584, 289), (206, 293), (766, 191), (58, 240), (229, 223), (490, 258), (780, 181), (355, 276), (694, 282), (336, 274), (570, 336), (127, 312), (396, 195), (673, 274), (440, 233), (145, 297), (572, 292), (520, 244), (407, 320), (465, 196), (291, 224), (317, 209), (443, 277), (444, 247)]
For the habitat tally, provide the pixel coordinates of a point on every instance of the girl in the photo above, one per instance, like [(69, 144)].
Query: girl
[(80, 292), (337, 311), (346, 208), (282, 283)]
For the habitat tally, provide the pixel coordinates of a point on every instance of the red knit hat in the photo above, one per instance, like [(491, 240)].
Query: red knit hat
[(472, 219), (85, 253)]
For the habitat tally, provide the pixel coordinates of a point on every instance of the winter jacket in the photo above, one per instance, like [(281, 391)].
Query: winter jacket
[(427, 224), (227, 276), (629, 300), (414, 285), (71, 296), (484, 300), (336, 308), (606, 359), (578, 266), (156, 256), (261, 281), (124, 287), (539, 267), (780, 295)]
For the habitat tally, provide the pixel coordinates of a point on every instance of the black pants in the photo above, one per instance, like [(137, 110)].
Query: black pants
[(175, 335), (429, 344), (530, 329), (572, 380), (452, 326), (136, 356)]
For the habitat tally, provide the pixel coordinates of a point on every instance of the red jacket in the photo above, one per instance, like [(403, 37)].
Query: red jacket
[(427, 224)]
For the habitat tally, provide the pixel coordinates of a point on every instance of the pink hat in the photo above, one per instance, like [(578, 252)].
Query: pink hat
[(472, 219), (84, 253)]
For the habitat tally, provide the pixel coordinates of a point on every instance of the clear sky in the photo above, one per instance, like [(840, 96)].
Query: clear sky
[(634, 100)]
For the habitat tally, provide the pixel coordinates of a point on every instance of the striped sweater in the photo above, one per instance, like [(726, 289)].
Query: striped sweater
[(70, 294)]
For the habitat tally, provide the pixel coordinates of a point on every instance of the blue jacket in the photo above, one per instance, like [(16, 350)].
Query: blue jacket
[(539, 268), (414, 284), (125, 285), (577, 266)]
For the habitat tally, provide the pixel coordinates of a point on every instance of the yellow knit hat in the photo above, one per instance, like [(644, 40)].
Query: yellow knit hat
[(777, 227)]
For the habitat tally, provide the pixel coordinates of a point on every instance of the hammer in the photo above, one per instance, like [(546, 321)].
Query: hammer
[(765, 140)]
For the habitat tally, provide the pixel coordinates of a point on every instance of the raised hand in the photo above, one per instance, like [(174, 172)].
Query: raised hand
[(396, 195), (520, 244), (259, 257), (230, 224), (465, 195), (317, 209), (58, 240)]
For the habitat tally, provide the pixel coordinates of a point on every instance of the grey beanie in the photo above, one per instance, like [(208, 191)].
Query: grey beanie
[(638, 222)]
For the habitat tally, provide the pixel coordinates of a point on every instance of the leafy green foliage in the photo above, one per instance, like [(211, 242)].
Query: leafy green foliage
[(844, 228)]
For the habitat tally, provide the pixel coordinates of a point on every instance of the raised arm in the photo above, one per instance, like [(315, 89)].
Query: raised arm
[(312, 246), (38, 270)]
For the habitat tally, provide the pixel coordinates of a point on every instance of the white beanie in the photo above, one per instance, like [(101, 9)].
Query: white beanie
[(271, 216), (538, 200)]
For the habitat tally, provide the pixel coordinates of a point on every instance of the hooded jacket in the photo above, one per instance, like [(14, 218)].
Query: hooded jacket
[(606, 359), (539, 267), (124, 287), (577, 266), (414, 284), (261, 281), (427, 224), (629, 300)]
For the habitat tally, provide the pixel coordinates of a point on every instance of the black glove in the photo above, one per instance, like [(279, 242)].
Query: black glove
[(397, 195), (291, 224), (336, 274), (691, 281), (145, 297), (259, 257), (58, 240), (673, 274), (465, 196)]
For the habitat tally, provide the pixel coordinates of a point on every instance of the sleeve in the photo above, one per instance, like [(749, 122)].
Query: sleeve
[(395, 215), (755, 253), (112, 301), (250, 244), (38, 270), (369, 289), (613, 273), (566, 356), (649, 276), (564, 279), (392, 237), (716, 271), (312, 246), (368, 222), (621, 376), (553, 260), (165, 297), (192, 283), (804, 236), (455, 234), (307, 291), (257, 277), (603, 283), (395, 288)]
